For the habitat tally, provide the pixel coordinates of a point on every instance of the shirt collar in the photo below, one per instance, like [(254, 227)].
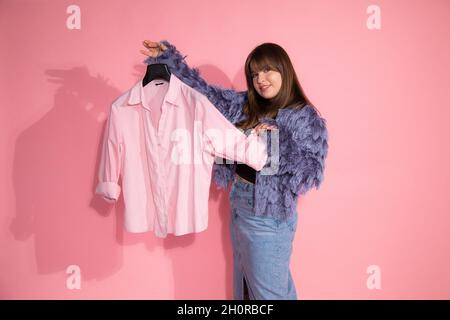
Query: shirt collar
[(172, 94)]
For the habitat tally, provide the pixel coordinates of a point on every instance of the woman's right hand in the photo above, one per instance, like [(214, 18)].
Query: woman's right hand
[(153, 49)]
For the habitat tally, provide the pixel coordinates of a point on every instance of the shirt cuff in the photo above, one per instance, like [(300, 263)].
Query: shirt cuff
[(109, 190), (257, 151)]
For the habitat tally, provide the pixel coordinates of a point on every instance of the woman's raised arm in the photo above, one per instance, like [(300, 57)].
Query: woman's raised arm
[(229, 102)]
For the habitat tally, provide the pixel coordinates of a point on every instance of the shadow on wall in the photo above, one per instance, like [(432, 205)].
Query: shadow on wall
[(52, 180), (55, 203)]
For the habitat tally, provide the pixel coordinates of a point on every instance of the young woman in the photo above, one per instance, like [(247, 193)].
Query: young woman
[(264, 206)]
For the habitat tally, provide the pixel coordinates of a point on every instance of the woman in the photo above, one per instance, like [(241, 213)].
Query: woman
[(264, 213)]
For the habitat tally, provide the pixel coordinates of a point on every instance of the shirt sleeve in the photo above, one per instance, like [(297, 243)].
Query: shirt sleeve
[(223, 139), (111, 160)]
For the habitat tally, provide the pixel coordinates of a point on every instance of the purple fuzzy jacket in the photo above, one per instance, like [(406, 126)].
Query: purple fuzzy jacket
[(302, 136)]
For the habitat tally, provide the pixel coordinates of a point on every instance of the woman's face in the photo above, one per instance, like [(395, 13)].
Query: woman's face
[(267, 82)]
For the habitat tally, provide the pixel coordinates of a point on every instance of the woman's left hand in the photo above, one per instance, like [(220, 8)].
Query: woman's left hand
[(263, 126)]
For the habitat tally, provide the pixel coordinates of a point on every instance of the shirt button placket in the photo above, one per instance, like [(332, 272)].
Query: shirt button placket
[(159, 178), (160, 171)]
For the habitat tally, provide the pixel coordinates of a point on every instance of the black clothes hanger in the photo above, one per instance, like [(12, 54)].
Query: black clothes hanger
[(156, 71)]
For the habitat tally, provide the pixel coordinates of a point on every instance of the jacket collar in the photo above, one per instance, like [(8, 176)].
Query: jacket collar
[(172, 95)]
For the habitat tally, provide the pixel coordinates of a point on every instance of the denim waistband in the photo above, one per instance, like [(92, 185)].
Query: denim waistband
[(242, 185)]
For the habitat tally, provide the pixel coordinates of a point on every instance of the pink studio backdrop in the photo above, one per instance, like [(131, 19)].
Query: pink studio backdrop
[(385, 93)]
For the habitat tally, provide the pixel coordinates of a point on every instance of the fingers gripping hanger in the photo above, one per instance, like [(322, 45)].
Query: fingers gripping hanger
[(156, 71)]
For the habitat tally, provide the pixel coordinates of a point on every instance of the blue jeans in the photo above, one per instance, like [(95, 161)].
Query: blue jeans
[(262, 248)]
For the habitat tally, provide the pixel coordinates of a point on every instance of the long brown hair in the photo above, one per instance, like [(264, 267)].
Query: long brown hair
[(273, 57)]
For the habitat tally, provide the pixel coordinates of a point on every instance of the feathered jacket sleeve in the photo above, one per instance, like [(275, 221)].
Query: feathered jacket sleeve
[(303, 148), (229, 102)]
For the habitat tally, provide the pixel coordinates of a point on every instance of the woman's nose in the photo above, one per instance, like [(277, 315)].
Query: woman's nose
[(260, 78)]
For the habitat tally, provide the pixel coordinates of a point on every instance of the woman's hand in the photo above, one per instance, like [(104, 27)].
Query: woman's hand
[(153, 49), (263, 126)]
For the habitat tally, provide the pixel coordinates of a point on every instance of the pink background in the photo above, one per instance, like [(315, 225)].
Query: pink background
[(385, 94)]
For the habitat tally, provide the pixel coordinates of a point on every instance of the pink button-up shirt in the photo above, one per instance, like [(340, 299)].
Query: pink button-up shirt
[(162, 140)]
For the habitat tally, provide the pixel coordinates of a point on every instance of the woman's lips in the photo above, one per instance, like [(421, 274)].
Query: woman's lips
[(264, 88)]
